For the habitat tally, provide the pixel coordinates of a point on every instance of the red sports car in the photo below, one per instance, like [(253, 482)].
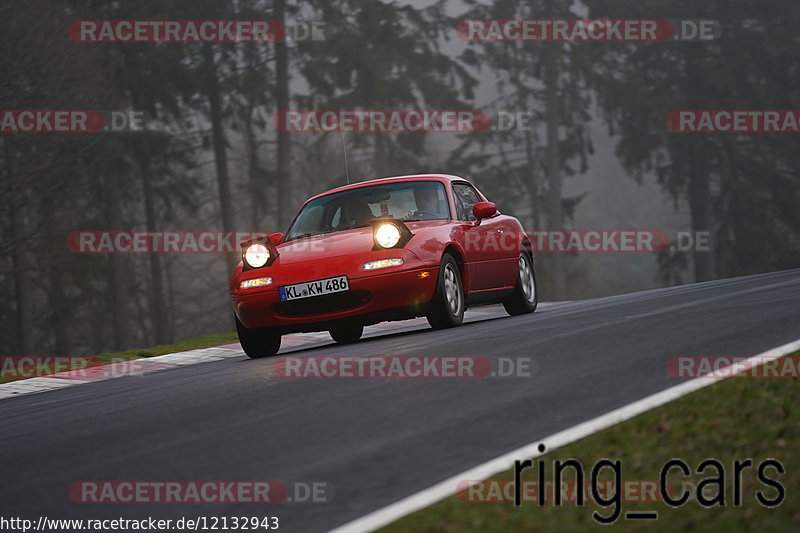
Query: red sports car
[(385, 249)]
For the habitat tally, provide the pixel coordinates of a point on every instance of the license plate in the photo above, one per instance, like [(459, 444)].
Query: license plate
[(310, 289)]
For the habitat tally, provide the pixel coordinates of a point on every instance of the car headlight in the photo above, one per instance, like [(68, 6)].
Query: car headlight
[(387, 236), (256, 255)]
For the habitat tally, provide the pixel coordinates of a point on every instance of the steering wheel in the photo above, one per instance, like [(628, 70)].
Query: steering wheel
[(429, 213)]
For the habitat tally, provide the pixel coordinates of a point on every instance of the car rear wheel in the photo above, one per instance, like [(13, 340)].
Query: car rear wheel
[(525, 297), (257, 342), (347, 334), (447, 306)]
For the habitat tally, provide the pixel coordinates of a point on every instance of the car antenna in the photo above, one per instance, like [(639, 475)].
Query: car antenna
[(344, 147)]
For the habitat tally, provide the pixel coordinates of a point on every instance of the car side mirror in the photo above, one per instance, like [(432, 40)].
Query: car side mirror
[(483, 210), (276, 238)]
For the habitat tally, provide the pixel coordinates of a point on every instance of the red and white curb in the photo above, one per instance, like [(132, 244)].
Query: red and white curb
[(132, 367), (148, 365)]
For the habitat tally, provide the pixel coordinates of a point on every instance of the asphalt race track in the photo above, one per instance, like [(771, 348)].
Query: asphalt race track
[(374, 440)]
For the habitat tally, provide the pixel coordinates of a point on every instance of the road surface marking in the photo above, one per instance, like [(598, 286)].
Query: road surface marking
[(442, 490)]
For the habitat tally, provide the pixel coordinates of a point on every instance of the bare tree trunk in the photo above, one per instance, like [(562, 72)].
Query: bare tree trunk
[(59, 304), (22, 282), (533, 182), (699, 187), (700, 213), (284, 175), (220, 147), (218, 139), (59, 314), (257, 202), (169, 278), (119, 271), (20, 263), (554, 204), (158, 310)]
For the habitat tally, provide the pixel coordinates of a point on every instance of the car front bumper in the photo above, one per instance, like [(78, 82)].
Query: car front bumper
[(401, 293)]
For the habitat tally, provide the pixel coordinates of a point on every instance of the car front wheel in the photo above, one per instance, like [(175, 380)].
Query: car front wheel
[(447, 306), (346, 334), (524, 298), (257, 342)]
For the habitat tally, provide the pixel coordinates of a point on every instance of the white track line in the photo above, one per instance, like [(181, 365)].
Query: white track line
[(431, 495)]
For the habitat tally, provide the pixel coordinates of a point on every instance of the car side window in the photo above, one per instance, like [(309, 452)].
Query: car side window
[(466, 197)]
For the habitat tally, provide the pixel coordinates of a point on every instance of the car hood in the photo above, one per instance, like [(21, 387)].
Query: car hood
[(324, 246), (340, 243)]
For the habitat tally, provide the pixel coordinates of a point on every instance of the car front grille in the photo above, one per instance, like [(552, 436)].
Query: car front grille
[(319, 305)]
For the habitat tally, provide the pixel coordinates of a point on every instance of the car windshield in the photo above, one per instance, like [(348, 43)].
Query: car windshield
[(354, 208)]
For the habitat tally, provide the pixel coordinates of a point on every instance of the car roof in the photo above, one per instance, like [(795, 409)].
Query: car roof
[(409, 177)]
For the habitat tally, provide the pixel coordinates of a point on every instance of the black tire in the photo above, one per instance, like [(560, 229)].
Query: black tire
[(525, 297), (258, 342), (446, 309), (347, 333)]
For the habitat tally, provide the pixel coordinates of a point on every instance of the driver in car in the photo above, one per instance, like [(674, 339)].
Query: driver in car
[(355, 214), (429, 205)]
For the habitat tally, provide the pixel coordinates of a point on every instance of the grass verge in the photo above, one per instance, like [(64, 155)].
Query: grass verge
[(734, 419)]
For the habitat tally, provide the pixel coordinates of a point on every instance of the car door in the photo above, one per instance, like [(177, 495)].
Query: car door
[(487, 263)]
